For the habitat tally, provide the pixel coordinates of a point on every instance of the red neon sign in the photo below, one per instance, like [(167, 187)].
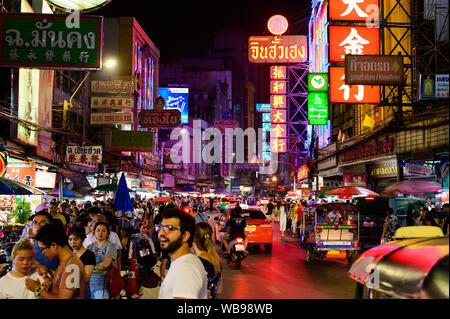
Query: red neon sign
[(342, 93), (354, 10), (353, 40)]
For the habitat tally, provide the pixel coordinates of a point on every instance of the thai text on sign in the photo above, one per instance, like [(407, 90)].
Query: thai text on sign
[(374, 69), (125, 87), (278, 49), (39, 40), (84, 154), (160, 118)]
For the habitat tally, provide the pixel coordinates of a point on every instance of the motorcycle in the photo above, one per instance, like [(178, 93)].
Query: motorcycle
[(237, 252)]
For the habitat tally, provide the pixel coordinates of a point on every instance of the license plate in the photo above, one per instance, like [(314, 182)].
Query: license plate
[(337, 243), (333, 252), (239, 247), (250, 228)]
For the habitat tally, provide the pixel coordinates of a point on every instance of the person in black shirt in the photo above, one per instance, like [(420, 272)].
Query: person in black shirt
[(87, 257), (235, 227)]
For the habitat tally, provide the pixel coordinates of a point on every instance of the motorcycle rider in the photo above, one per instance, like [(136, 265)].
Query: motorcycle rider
[(235, 227)]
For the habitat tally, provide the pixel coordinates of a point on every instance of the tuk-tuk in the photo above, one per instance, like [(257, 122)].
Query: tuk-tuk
[(414, 265), (323, 239)]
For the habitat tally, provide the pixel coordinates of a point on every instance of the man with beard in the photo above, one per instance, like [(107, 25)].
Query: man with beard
[(186, 278)]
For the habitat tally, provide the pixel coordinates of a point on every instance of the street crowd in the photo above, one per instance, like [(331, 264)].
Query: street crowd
[(80, 251), (72, 251)]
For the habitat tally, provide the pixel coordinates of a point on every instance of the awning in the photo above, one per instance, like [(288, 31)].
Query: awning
[(78, 179)]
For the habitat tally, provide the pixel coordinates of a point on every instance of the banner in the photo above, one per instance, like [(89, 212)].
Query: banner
[(46, 41), (355, 180), (417, 169), (278, 49), (23, 172)]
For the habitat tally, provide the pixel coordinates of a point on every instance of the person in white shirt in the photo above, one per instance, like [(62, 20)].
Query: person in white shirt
[(12, 285), (186, 278)]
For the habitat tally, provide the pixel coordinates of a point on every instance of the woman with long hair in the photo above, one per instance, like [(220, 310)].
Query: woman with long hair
[(204, 249), (410, 220)]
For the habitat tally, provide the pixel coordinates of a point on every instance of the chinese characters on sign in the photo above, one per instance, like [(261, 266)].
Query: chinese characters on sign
[(278, 72), (353, 10), (23, 172), (84, 154), (111, 102), (278, 113), (353, 40), (343, 93), (278, 49), (38, 40)]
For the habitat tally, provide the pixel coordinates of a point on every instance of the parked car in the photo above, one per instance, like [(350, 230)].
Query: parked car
[(372, 211), (398, 268)]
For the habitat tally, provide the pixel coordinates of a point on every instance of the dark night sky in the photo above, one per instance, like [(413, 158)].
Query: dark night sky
[(186, 28)]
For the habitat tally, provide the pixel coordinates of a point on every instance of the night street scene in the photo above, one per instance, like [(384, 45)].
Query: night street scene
[(263, 151)]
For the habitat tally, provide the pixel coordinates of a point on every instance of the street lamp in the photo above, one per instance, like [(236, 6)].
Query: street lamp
[(274, 179), (110, 63)]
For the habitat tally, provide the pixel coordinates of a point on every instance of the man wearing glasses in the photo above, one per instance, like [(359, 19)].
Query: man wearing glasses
[(186, 278), (38, 220)]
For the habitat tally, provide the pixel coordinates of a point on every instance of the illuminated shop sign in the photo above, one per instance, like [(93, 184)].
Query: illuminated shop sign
[(353, 10), (343, 93), (278, 49), (353, 40)]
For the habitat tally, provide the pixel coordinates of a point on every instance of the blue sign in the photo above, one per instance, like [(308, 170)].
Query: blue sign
[(176, 98), (264, 108), (266, 117), (266, 156), (266, 147), (266, 127)]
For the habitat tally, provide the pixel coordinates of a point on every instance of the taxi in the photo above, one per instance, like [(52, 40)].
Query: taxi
[(259, 228)]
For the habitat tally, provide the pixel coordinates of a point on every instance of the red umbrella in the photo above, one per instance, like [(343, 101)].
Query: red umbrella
[(163, 199), (411, 187), (352, 190)]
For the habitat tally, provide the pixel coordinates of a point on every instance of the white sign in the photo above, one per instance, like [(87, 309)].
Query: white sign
[(112, 87), (84, 154), (119, 118), (442, 86), (120, 103), (417, 169), (45, 180)]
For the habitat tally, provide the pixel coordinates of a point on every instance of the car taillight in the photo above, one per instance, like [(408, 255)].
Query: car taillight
[(239, 240)]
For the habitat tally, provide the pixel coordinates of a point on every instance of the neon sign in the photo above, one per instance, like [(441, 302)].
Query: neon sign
[(278, 49), (277, 25), (353, 40)]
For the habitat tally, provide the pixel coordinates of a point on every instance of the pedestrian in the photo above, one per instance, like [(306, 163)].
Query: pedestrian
[(283, 217), (390, 226), (204, 249), (105, 254), (294, 214), (334, 217), (87, 257), (38, 220), (68, 282), (422, 214), (430, 219), (409, 220), (12, 285), (186, 277), (55, 214), (443, 215), (269, 210), (276, 212)]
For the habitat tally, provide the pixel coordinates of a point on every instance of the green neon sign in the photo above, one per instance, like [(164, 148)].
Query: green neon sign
[(318, 82), (317, 108)]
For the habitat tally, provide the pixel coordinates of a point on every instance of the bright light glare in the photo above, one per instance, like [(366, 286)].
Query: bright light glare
[(110, 63)]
